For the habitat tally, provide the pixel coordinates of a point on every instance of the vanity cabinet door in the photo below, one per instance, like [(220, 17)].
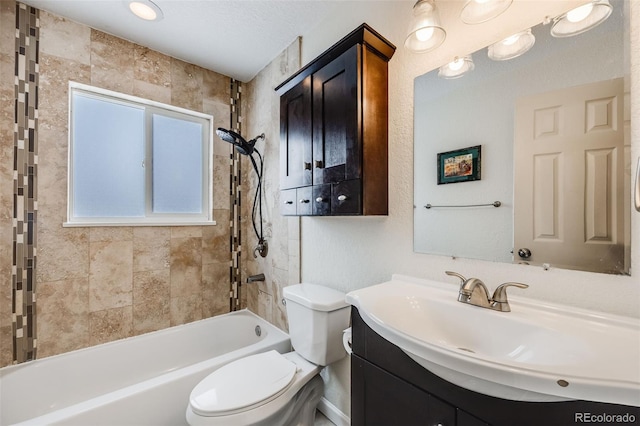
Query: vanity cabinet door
[(295, 136), (382, 399), (466, 419)]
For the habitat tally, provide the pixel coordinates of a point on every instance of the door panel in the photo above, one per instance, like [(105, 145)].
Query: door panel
[(336, 142), (569, 162), (295, 136)]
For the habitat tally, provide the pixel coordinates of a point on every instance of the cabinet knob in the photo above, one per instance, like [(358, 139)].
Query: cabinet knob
[(288, 202), (342, 197), (319, 164), (319, 200), (307, 166), (303, 201)]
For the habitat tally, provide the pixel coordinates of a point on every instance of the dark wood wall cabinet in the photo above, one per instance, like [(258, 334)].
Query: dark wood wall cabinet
[(334, 130), (390, 389)]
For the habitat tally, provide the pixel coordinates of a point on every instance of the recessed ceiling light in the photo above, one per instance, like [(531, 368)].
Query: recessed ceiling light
[(145, 9)]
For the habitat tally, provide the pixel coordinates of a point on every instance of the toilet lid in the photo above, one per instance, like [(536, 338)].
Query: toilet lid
[(242, 383)]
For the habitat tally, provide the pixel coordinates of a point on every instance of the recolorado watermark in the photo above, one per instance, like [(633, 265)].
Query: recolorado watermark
[(604, 418)]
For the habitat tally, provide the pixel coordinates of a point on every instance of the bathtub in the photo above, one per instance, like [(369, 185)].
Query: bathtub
[(142, 380)]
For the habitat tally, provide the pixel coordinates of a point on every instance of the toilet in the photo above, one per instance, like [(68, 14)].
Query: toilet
[(278, 389)]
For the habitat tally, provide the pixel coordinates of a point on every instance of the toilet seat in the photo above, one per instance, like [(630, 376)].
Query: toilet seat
[(243, 384)]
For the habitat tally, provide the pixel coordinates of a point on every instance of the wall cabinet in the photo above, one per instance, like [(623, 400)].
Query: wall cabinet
[(389, 388), (334, 130)]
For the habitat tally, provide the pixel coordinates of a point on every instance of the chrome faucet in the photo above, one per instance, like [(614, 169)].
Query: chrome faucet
[(474, 292)]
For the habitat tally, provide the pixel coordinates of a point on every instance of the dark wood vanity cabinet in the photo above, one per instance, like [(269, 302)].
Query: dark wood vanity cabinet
[(334, 130), (390, 389)]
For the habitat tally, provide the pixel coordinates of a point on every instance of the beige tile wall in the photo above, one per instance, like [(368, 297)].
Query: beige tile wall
[(96, 285), (261, 107), (7, 73)]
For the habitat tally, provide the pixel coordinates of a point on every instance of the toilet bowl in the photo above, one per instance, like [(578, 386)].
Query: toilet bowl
[(278, 389)]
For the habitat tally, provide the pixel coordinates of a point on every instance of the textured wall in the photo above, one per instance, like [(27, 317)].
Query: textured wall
[(104, 283)]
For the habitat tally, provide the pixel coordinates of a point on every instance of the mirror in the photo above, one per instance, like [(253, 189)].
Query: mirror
[(553, 194)]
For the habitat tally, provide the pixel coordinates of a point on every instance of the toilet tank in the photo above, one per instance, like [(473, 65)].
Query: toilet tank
[(317, 317)]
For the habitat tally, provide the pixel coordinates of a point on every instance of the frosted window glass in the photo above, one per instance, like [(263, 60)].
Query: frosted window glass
[(177, 165), (108, 154)]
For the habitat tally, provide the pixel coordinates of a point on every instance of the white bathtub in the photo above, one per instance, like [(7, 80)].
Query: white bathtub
[(142, 380)]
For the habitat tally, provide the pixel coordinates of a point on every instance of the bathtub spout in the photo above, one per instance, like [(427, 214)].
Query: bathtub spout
[(254, 278)]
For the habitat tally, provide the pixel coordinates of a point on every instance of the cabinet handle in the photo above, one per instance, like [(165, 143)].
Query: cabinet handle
[(319, 200), (342, 197), (319, 164), (303, 201), (307, 166), (288, 202)]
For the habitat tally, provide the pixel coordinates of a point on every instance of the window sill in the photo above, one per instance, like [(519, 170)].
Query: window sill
[(112, 224)]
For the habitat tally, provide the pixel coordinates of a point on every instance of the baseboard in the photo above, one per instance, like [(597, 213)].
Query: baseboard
[(332, 412)]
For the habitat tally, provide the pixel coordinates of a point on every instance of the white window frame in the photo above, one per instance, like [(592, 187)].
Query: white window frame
[(150, 108)]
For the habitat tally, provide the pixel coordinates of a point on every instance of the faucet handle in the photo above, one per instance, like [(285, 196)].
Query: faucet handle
[(500, 294), (455, 274)]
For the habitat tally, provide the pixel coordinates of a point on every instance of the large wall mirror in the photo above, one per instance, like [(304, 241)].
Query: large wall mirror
[(554, 130)]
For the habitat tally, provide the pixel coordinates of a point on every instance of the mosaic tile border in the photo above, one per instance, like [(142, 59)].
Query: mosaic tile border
[(235, 195), (25, 170)]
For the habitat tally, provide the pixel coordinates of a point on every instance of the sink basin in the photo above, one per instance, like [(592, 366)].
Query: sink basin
[(537, 352)]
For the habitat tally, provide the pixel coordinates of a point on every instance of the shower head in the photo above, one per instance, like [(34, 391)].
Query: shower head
[(242, 146)]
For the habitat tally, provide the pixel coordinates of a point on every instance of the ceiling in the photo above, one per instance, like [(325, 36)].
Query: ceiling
[(237, 38)]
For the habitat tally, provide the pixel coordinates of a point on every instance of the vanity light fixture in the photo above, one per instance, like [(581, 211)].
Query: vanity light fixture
[(456, 68), (145, 9), (581, 19), (425, 31), (512, 47), (479, 11)]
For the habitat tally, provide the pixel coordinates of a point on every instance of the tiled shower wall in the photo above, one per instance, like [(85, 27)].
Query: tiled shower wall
[(282, 265), (104, 283)]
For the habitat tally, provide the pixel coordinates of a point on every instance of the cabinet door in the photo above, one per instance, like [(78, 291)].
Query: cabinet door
[(379, 398), (346, 198), (288, 203), (305, 206), (336, 119), (295, 136), (466, 419), (322, 200)]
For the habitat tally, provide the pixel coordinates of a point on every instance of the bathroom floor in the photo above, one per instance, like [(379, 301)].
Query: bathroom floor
[(321, 420)]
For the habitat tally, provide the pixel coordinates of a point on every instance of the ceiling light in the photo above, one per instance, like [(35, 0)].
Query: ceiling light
[(479, 11), (145, 9), (456, 68), (425, 31), (512, 47), (581, 19)]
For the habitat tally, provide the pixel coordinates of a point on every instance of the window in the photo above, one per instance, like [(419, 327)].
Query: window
[(134, 161)]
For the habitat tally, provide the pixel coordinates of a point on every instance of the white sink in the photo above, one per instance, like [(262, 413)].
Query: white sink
[(536, 352)]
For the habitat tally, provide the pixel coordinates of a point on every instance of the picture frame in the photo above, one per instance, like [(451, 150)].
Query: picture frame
[(460, 165)]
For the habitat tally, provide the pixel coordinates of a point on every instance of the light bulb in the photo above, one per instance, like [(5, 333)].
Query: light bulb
[(456, 64), (579, 13), (143, 11), (511, 40), (424, 34)]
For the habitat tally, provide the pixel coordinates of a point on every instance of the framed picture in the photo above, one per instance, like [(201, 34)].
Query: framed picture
[(461, 165)]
